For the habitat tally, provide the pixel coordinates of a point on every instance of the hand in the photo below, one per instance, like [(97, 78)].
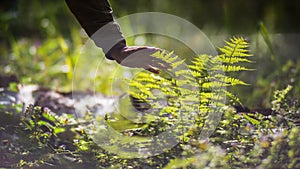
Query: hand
[(140, 57)]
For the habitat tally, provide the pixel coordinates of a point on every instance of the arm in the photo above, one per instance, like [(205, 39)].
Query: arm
[(95, 16)]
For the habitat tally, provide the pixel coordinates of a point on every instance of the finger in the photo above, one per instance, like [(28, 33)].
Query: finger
[(152, 69), (160, 65)]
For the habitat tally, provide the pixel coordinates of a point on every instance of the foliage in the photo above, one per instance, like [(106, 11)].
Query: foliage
[(48, 140), (199, 88), (42, 139), (58, 63), (249, 140), (40, 48), (50, 61), (32, 24)]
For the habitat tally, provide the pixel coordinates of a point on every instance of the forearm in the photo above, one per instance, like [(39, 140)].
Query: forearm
[(95, 17), (91, 14)]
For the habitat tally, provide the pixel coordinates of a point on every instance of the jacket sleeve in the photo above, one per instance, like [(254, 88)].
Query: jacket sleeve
[(95, 17)]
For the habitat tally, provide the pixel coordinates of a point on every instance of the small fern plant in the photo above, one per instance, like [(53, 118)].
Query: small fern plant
[(190, 94)]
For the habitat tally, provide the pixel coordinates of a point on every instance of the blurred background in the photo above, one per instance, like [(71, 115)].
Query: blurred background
[(41, 40)]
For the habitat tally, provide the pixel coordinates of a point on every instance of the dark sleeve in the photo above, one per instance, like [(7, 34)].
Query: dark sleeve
[(95, 17)]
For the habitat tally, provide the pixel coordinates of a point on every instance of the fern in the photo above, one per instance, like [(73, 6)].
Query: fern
[(198, 88)]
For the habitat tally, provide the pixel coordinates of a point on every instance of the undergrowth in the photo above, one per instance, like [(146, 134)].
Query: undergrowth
[(193, 98)]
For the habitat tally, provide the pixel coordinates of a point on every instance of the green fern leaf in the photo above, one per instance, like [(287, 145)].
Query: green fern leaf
[(251, 120)]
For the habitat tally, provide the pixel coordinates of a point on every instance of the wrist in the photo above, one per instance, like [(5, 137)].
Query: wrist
[(115, 52)]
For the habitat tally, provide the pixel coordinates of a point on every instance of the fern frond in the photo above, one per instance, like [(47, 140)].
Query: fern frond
[(236, 47), (141, 88), (199, 89), (251, 119), (147, 80), (231, 68), (232, 60), (139, 96), (152, 86), (202, 59), (178, 63), (213, 85), (169, 58), (233, 97), (166, 57), (229, 80), (235, 68), (206, 95)]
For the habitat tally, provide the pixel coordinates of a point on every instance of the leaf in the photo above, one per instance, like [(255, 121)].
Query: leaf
[(232, 96), (232, 60), (237, 47), (58, 130), (176, 64), (251, 120)]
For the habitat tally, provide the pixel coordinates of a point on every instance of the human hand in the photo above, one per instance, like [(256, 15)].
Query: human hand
[(140, 57)]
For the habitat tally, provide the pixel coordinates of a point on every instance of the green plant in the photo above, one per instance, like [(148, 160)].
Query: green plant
[(199, 88), (59, 63), (188, 96)]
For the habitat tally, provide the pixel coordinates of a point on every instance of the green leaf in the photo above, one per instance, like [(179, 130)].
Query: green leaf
[(251, 120), (58, 130)]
